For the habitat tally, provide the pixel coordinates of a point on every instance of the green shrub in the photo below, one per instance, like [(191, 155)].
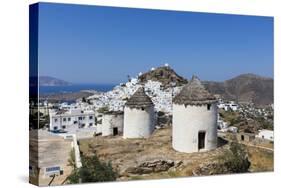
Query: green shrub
[(235, 160), (92, 170), (103, 109)]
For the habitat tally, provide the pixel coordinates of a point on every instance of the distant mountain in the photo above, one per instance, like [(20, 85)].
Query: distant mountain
[(244, 88), (51, 81), (166, 75)]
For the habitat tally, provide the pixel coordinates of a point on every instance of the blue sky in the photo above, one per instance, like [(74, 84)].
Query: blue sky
[(91, 44)]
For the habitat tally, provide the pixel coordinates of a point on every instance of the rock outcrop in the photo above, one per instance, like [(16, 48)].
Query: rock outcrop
[(166, 75), (154, 166)]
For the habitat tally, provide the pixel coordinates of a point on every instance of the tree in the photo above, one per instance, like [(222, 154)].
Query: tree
[(92, 170)]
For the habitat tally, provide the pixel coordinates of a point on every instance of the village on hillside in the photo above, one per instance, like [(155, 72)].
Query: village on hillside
[(156, 125)]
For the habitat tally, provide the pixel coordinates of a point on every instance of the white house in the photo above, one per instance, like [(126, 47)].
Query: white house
[(138, 116), (233, 129), (194, 119), (233, 106), (226, 106), (266, 134), (222, 125), (71, 120)]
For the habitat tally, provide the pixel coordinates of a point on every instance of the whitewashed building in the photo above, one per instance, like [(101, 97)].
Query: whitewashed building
[(71, 120), (266, 134), (194, 119), (232, 129), (112, 123), (222, 125), (139, 117), (233, 106), (228, 106)]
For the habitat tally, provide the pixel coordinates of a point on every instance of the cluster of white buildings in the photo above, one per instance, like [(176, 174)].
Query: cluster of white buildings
[(116, 99), (231, 105)]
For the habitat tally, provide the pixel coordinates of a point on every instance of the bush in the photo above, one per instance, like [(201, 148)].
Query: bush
[(103, 109), (235, 160), (92, 170)]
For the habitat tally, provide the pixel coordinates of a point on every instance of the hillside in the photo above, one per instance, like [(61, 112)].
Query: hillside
[(166, 75), (244, 88), (51, 81)]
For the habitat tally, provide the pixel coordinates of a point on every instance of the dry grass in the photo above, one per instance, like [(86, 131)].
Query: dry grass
[(261, 160), (124, 153)]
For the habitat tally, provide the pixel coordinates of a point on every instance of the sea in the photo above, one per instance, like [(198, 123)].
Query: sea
[(75, 88)]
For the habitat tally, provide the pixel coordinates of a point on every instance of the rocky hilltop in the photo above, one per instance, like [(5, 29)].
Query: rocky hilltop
[(245, 88), (51, 81), (165, 75)]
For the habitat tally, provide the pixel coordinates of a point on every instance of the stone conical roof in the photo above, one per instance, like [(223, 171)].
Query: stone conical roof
[(139, 99), (194, 93)]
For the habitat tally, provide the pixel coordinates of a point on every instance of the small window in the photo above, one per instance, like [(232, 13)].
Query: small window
[(64, 119), (63, 126), (69, 119), (56, 120), (84, 117), (74, 122), (208, 106), (90, 117), (55, 128), (80, 118), (142, 108), (90, 124)]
